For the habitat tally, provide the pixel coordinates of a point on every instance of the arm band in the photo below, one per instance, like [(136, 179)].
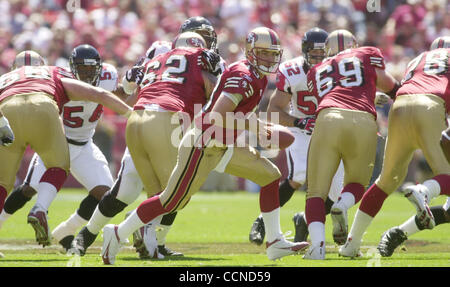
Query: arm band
[(394, 90)]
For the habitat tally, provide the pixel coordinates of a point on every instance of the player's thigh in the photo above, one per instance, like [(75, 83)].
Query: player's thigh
[(10, 158), (323, 155), (358, 146), (247, 162), (297, 155), (91, 168)]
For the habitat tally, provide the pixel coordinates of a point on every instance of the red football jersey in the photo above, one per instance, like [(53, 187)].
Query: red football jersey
[(34, 79), (244, 86), (429, 73), (174, 81), (347, 80)]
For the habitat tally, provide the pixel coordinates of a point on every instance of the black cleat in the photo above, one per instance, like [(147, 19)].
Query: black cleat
[(66, 242), (258, 231), (163, 250), (301, 228), (390, 240), (82, 241)]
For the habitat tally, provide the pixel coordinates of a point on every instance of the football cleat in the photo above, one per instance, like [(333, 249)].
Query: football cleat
[(390, 240), (165, 251), (416, 195), (38, 220), (281, 247), (111, 244), (301, 228), (150, 242), (138, 243), (340, 223), (258, 231), (315, 252), (82, 241), (349, 249), (66, 242)]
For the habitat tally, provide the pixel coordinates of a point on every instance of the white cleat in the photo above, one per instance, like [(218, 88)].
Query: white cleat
[(418, 197), (281, 247), (315, 252), (111, 244), (340, 223), (350, 249)]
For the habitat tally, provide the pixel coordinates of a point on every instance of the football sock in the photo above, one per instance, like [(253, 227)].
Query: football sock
[(15, 201), (3, 195), (444, 183), (433, 188), (46, 194), (97, 221), (360, 224), (161, 233), (129, 225), (87, 207), (272, 224), (315, 217), (285, 191), (351, 194), (269, 198), (410, 227), (316, 231), (69, 227)]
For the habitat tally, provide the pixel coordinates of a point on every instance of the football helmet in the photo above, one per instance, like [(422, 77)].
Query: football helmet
[(314, 39), (202, 26), (339, 40), (157, 48), (27, 58), (86, 64), (263, 40), (189, 39), (440, 42)]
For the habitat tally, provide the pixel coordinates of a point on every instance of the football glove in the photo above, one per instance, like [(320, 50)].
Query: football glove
[(6, 133), (135, 74), (306, 124), (210, 61)]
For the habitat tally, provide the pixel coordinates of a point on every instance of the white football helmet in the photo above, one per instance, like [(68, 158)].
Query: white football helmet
[(157, 48), (27, 58), (440, 42), (189, 39), (338, 41), (259, 40)]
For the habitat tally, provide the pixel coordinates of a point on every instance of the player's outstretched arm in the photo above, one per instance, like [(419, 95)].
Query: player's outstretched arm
[(278, 103), (387, 83), (80, 91)]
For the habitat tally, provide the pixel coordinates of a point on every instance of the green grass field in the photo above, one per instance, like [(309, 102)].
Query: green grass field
[(213, 231)]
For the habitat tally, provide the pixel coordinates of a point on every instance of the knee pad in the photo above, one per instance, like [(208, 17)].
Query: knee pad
[(109, 206)]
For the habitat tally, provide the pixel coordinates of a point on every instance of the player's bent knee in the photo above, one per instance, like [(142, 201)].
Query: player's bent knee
[(99, 191), (109, 206)]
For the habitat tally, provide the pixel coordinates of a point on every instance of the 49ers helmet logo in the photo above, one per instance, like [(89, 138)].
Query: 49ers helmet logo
[(252, 38), (195, 42)]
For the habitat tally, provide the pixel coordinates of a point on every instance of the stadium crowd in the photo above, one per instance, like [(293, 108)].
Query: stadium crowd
[(123, 30)]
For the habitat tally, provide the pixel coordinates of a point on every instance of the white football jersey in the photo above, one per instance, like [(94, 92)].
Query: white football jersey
[(81, 117), (291, 78)]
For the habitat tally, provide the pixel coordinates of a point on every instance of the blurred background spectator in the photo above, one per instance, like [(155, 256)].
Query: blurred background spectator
[(122, 30)]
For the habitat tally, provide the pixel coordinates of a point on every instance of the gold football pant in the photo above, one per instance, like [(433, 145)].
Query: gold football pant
[(339, 134), (152, 148), (35, 121), (195, 163), (415, 122)]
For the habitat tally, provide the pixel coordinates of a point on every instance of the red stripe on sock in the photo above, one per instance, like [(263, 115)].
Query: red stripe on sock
[(3, 195), (150, 209), (444, 182), (315, 210), (356, 189), (373, 200), (269, 198), (55, 176)]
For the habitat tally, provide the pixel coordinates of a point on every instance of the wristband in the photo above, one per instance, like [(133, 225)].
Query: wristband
[(394, 90)]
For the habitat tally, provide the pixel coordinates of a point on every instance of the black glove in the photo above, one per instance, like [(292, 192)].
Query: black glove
[(211, 62), (135, 74), (307, 124), (6, 133)]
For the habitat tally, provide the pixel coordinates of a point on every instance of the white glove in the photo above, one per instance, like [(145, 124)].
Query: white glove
[(6, 133), (381, 99)]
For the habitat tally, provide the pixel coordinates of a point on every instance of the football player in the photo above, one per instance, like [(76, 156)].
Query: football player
[(238, 92), (87, 163), (345, 130), (292, 95), (395, 236), (40, 92), (416, 121), (165, 92)]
